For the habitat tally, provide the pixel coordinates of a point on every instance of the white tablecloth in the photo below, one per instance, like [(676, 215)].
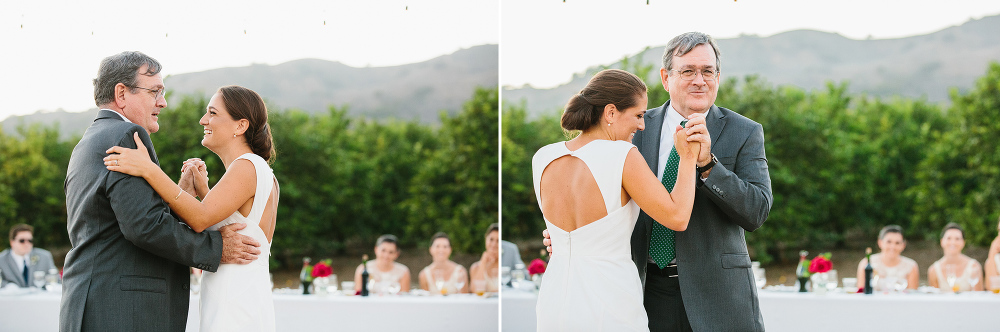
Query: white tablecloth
[(835, 312), (40, 312)]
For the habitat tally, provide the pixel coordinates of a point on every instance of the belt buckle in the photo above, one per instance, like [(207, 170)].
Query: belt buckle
[(675, 269)]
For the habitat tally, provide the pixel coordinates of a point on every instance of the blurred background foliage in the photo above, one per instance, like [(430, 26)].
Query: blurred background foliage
[(841, 165), (344, 180)]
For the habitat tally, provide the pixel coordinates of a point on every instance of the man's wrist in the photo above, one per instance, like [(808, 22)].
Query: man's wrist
[(707, 167)]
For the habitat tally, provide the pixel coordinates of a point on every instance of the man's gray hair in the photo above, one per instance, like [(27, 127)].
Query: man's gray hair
[(684, 43), (121, 68)]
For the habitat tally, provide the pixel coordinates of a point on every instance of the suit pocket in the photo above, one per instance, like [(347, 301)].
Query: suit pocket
[(143, 284), (733, 261)]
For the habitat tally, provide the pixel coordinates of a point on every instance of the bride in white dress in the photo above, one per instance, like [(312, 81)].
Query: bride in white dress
[(237, 297), (590, 190)]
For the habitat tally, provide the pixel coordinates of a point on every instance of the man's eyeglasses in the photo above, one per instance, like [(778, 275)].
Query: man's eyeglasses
[(26, 240), (158, 93), (689, 74)]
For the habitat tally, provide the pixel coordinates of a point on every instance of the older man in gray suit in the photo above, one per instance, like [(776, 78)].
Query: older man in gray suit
[(700, 279), (128, 268)]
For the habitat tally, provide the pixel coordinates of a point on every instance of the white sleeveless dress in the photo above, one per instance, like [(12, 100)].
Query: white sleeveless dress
[(238, 297), (591, 283)]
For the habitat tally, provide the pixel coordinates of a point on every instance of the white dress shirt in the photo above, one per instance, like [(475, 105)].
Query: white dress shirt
[(670, 122), (19, 262)]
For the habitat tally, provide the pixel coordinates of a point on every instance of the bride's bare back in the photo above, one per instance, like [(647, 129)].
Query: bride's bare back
[(570, 196)]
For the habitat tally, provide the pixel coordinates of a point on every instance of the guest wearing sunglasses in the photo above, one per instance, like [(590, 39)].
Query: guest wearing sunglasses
[(19, 263)]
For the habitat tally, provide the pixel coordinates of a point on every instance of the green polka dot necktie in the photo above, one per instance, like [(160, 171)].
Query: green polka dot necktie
[(661, 244)]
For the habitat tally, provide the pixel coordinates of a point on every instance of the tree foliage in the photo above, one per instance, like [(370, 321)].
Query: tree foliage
[(841, 166), (344, 181)]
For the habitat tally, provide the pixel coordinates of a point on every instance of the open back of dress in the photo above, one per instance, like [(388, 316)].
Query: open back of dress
[(591, 283)]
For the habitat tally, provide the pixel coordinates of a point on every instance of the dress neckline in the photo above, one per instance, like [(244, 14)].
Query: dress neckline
[(584, 146)]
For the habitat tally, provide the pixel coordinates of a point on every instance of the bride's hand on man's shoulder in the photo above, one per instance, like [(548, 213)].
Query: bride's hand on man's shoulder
[(134, 162)]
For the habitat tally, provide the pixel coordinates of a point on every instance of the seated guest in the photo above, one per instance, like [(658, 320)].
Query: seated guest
[(960, 268), (510, 256), (993, 261), (383, 271), (485, 273), (443, 276), (889, 264), (19, 263)]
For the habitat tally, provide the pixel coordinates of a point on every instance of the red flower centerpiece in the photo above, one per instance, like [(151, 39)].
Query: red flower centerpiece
[(819, 270), (537, 266), (820, 264), (321, 273), (321, 270)]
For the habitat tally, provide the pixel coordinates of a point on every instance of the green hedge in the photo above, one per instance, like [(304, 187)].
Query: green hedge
[(344, 180)]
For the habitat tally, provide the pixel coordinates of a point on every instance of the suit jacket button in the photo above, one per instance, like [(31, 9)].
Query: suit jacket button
[(186, 287)]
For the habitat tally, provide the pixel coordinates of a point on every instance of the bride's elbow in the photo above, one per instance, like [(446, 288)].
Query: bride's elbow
[(198, 225), (680, 225)]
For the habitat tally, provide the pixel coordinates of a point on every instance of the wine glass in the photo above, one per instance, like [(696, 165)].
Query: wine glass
[(439, 282), (393, 287), (900, 285), (974, 278), (479, 287), (831, 280), (951, 277), (333, 283), (39, 279), (505, 275), (52, 278), (995, 284), (458, 285), (517, 276)]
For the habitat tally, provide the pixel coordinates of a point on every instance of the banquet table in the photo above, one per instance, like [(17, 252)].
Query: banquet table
[(39, 311), (837, 312)]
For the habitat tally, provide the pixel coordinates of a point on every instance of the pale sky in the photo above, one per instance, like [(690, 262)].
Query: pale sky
[(543, 42), (51, 49)]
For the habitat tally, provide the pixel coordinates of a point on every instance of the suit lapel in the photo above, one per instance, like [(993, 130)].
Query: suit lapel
[(716, 122), (7, 264), (651, 138), (152, 153)]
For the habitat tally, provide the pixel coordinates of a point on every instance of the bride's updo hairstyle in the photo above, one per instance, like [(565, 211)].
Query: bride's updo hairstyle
[(610, 86), (243, 103)]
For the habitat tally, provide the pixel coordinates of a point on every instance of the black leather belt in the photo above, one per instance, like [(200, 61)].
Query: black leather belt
[(669, 271)]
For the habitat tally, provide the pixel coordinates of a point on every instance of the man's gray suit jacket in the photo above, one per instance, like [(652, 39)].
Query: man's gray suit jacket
[(712, 260), (38, 260), (128, 268)]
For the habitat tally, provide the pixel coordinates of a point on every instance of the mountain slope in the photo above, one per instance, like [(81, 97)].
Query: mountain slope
[(919, 66)]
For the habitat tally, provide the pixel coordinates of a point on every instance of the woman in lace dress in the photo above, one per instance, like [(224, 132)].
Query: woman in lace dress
[(385, 275), (992, 265), (484, 274), (443, 276), (962, 270), (890, 266), (236, 297)]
